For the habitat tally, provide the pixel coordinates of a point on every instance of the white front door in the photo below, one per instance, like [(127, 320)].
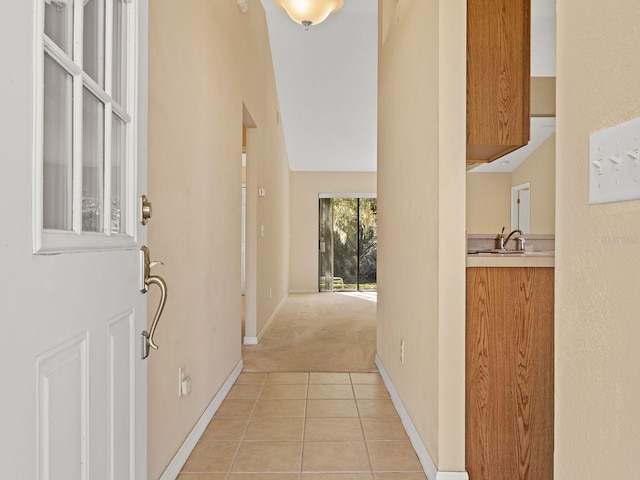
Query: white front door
[(72, 168)]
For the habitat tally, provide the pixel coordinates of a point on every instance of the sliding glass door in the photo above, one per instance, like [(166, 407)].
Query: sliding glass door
[(368, 244), (348, 244), (326, 244)]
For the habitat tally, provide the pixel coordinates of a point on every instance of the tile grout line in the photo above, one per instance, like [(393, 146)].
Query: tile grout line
[(304, 425), (364, 437), (243, 438), (244, 432)]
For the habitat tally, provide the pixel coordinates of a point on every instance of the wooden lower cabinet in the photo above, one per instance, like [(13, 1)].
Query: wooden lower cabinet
[(509, 373)]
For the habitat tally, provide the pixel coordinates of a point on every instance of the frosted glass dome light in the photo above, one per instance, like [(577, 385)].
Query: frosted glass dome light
[(309, 12)]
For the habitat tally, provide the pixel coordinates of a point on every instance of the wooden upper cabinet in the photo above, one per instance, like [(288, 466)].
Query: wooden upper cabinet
[(498, 77)]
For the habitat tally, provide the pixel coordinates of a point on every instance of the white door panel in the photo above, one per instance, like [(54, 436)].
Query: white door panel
[(121, 394), (73, 397), (63, 411)]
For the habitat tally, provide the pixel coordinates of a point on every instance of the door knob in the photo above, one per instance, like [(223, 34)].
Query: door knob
[(145, 210)]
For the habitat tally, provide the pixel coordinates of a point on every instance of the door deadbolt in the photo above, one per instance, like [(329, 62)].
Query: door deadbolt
[(145, 209)]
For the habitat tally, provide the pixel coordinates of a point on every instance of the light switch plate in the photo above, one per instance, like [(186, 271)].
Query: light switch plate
[(614, 163)]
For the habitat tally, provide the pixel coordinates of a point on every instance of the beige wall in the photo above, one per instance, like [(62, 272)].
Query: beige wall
[(597, 421), (489, 194), (488, 202), (539, 169), (303, 206), (421, 204), (543, 97), (206, 61)]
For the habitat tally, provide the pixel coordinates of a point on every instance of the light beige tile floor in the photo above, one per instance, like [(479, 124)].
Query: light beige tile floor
[(305, 426)]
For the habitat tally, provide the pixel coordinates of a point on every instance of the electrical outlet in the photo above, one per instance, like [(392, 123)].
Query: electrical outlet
[(402, 352), (270, 293), (184, 382), (186, 386), (181, 374)]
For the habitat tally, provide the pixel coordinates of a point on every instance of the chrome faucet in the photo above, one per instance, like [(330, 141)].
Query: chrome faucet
[(520, 238)]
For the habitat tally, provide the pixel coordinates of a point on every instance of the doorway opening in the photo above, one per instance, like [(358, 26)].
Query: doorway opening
[(521, 208), (347, 243), (243, 260), (248, 247)]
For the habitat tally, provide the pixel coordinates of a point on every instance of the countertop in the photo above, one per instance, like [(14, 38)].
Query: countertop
[(527, 259)]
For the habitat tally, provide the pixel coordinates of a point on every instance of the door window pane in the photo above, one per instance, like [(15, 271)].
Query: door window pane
[(92, 163), (326, 244), (118, 176), (86, 116), (119, 74), (345, 243), (368, 249), (57, 147), (93, 40), (58, 24)]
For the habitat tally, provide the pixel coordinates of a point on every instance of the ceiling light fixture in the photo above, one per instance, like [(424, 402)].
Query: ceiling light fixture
[(309, 12)]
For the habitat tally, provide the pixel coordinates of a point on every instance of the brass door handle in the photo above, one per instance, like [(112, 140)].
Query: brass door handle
[(146, 281)]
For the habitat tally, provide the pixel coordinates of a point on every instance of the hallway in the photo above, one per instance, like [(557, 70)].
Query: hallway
[(309, 425), (318, 332), (305, 426)]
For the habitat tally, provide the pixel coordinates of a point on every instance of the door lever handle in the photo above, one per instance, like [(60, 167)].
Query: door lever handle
[(146, 281)]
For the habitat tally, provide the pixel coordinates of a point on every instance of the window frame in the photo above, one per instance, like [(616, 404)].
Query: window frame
[(48, 241)]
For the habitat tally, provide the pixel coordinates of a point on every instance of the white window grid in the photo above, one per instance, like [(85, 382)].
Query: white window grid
[(48, 241)]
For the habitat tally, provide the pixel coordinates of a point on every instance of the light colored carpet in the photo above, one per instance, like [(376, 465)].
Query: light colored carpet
[(318, 332)]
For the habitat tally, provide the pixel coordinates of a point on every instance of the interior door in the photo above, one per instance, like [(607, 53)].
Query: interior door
[(73, 401), (521, 207), (524, 210)]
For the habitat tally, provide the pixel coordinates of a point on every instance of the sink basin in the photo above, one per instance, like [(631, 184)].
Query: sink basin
[(496, 251)]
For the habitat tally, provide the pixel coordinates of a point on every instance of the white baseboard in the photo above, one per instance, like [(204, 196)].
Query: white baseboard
[(304, 290), (428, 465), (270, 321), (452, 476), (250, 340), (180, 458)]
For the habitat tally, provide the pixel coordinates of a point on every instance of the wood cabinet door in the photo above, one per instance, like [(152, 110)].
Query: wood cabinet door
[(509, 373), (498, 77)]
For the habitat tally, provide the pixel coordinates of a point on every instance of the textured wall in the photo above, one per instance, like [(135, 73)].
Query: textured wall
[(489, 194), (421, 202), (206, 60), (539, 169), (303, 205), (597, 249), (488, 202)]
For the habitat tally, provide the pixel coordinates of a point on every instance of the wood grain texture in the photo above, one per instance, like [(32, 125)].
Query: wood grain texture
[(509, 373), (498, 77)]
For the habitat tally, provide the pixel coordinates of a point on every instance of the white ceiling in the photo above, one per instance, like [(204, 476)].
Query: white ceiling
[(543, 38), (327, 84)]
